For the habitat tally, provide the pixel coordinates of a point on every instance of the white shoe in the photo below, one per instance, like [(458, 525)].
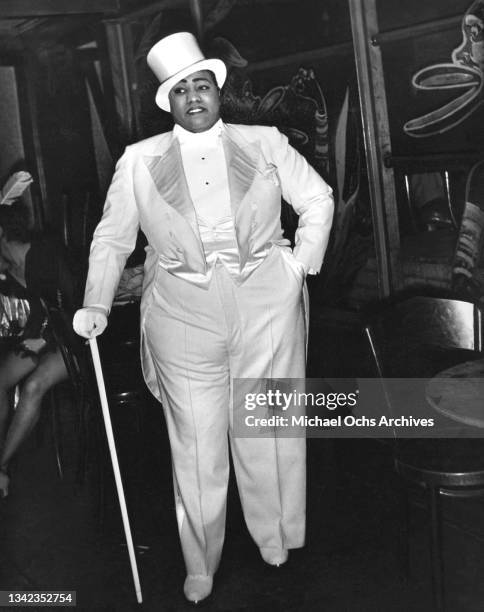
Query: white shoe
[(197, 587), (274, 556)]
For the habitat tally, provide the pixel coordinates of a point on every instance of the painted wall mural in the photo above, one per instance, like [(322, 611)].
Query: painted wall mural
[(464, 74), (298, 108)]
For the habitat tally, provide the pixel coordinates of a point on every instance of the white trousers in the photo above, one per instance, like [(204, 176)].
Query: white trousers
[(200, 340)]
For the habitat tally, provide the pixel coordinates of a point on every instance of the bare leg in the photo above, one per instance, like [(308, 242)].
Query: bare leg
[(12, 370), (50, 371)]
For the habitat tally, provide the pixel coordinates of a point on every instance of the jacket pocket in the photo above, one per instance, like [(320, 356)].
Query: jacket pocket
[(292, 262)]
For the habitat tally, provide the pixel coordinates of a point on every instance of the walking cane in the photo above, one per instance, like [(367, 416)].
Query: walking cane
[(114, 460)]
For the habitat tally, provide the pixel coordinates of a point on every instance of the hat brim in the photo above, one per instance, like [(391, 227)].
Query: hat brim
[(215, 65)]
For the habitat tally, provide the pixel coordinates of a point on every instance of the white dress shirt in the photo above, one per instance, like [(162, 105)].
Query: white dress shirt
[(205, 169)]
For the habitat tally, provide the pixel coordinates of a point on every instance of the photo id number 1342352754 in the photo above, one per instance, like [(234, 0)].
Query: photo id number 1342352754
[(37, 598)]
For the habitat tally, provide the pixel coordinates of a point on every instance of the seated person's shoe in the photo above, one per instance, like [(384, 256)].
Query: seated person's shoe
[(197, 587), (274, 556)]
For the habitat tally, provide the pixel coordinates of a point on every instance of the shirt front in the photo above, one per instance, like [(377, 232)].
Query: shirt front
[(205, 169)]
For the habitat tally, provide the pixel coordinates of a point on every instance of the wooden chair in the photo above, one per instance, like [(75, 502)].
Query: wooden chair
[(417, 337), (75, 214), (127, 393), (78, 378)]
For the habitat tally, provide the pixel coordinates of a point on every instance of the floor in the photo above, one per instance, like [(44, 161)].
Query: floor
[(61, 534)]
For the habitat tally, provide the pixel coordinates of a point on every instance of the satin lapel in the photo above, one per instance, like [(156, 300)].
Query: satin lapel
[(242, 163), (242, 167), (168, 175)]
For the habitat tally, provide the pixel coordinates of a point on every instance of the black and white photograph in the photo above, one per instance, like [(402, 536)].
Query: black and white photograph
[(269, 401)]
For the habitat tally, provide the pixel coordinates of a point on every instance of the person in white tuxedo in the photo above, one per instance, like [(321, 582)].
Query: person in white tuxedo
[(222, 299)]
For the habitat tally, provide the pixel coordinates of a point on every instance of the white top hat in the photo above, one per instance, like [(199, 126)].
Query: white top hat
[(175, 57)]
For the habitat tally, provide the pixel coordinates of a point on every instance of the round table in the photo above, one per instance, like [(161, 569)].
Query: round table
[(458, 393)]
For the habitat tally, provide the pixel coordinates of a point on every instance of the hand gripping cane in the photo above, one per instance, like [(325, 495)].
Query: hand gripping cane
[(114, 460)]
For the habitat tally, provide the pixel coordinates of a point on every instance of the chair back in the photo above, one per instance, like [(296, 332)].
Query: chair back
[(70, 346), (119, 346), (420, 335)]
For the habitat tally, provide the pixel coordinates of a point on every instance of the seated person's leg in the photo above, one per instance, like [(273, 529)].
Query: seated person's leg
[(13, 369), (49, 371)]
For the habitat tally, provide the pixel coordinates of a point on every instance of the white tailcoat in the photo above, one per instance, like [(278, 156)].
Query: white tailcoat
[(197, 335)]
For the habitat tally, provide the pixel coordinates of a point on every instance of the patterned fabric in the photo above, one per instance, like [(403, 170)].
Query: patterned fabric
[(469, 242), (14, 313), (49, 284)]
